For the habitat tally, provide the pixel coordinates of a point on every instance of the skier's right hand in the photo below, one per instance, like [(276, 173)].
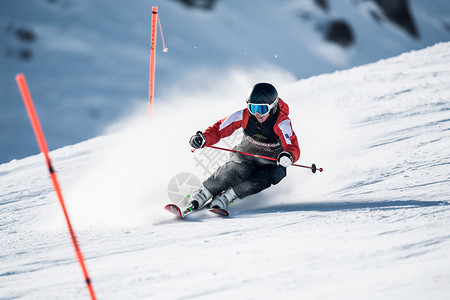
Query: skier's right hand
[(285, 159), (198, 140)]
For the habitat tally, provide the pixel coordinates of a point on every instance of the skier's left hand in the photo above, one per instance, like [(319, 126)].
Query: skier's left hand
[(198, 140), (285, 159)]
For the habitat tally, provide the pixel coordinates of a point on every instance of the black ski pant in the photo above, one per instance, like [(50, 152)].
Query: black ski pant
[(246, 175)]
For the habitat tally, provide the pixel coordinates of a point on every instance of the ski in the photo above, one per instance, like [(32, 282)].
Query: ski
[(174, 209), (180, 213), (220, 212)]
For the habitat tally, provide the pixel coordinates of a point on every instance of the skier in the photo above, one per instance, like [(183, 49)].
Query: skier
[(267, 132)]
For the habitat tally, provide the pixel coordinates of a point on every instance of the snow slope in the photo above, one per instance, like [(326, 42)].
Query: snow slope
[(90, 59), (374, 225)]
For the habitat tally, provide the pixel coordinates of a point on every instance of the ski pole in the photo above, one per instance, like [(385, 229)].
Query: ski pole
[(23, 87), (313, 167)]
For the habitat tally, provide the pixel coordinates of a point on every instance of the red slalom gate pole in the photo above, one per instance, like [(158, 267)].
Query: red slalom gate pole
[(313, 167), (21, 82), (151, 84)]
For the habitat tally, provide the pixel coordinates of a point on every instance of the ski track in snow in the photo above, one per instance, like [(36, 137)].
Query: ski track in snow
[(374, 225)]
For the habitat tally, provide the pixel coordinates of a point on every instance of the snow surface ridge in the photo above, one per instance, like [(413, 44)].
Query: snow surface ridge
[(374, 224)]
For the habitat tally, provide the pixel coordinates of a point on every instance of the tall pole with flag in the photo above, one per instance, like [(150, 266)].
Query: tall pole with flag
[(151, 86)]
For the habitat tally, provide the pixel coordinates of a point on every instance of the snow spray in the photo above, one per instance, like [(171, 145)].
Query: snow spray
[(21, 82)]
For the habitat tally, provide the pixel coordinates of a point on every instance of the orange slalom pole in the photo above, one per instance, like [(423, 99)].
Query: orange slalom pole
[(151, 84), (21, 82)]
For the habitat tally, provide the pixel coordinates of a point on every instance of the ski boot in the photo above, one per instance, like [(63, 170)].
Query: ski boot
[(199, 198), (223, 200)]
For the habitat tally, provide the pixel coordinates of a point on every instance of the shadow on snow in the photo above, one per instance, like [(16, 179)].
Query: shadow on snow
[(342, 206)]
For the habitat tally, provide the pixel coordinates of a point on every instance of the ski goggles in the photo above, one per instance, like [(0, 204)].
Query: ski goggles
[(261, 109)]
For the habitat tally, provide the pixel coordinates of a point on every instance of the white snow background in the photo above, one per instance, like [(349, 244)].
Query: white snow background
[(374, 225)]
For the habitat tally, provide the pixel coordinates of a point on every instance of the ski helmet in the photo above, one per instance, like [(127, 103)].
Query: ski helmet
[(264, 93)]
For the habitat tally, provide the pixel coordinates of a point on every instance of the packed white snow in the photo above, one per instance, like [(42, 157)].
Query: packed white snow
[(374, 225)]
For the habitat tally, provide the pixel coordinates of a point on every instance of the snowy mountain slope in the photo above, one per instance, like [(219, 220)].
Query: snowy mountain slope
[(88, 63), (373, 225)]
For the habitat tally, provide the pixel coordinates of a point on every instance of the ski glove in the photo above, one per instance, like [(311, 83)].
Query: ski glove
[(198, 140), (285, 159)]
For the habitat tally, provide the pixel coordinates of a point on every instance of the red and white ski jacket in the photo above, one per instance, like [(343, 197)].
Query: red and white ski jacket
[(268, 138)]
